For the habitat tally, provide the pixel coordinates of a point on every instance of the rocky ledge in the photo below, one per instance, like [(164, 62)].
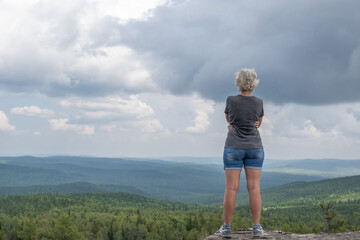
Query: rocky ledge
[(279, 235)]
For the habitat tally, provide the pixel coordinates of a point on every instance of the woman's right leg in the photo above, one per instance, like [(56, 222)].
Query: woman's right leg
[(231, 188)]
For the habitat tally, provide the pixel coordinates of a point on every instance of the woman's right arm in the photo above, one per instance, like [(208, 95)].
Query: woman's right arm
[(228, 120), (258, 122)]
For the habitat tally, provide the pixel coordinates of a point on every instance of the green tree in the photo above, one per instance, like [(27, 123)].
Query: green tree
[(111, 231), (96, 225), (2, 233), (65, 228), (99, 236), (329, 215), (29, 230), (285, 228)]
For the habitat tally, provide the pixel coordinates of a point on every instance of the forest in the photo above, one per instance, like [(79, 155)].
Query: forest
[(110, 216), (92, 199)]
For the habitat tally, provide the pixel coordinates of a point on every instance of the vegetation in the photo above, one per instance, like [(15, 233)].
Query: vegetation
[(335, 190), (110, 216), (329, 216), (172, 181), (105, 213), (103, 216)]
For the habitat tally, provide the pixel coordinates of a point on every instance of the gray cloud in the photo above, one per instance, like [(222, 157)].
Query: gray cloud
[(304, 51), (47, 47)]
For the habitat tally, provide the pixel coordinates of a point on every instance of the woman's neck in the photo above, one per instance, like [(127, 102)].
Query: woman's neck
[(246, 93)]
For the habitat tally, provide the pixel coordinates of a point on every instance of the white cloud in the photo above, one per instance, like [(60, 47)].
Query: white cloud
[(110, 107), (182, 114), (299, 131), (62, 124), (4, 123), (127, 113), (126, 10), (32, 111), (152, 126), (55, 47), (202, 109), (100, 114), (108, 128), (110, 68), (304, 130), (310, 130), (293, 120)]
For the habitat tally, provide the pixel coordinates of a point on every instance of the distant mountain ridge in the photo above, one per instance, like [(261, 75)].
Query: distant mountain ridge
[(76, 187), (340, 189), (335, 189), (179, 181), (315, 167)]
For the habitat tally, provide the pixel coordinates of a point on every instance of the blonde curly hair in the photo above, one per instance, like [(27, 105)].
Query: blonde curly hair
[(246, 79)]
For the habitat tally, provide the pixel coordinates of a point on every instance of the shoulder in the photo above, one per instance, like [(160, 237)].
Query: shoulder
[(258, 100), (230, 98)]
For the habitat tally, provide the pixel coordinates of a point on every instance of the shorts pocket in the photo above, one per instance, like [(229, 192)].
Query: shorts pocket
[(229, 154)]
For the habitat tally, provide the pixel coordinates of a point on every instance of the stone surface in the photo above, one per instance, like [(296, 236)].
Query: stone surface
[(279, 235)]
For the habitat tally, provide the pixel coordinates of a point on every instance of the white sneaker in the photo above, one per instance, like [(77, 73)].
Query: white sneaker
[(223, 231), (258, 231)]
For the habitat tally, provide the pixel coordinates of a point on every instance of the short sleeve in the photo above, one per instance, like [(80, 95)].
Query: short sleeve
[(227, 107)]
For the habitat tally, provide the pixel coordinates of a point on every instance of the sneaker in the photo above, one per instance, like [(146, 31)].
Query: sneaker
[(258, 231), (223, 231)]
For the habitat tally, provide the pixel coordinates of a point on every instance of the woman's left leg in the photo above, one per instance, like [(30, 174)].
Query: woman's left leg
[(231, 188), (253, 186)]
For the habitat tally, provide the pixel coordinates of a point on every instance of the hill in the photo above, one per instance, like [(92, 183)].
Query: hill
[(76, 187), (291, 207), (314, 167), (102, 216), (176, 181), (341, 189), (295, 207)]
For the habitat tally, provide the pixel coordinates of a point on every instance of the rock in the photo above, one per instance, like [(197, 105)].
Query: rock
[(280, 235)]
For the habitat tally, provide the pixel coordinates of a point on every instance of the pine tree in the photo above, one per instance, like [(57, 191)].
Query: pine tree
[(29, 230), (65, 228), (99, 236), (2, 233), (329, 217), (110, 233)]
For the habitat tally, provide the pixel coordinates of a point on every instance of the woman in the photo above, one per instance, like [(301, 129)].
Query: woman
[(243, 148)]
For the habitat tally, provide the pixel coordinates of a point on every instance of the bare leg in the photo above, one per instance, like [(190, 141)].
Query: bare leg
[(253, 186), (231, 188)]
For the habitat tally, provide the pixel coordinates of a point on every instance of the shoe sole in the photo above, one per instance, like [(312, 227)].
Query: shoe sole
[(261, 235), (224, 236)]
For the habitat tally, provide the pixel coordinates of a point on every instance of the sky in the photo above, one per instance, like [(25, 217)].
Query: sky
[(149, 78)]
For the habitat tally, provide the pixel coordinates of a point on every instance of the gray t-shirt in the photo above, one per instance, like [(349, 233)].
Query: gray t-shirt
[(243, 112)]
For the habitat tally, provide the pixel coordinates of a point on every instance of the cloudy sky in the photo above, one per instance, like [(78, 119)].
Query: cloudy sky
[(148, 78)]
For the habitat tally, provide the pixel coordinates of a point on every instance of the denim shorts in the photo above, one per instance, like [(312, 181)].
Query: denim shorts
[(247, 158)]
